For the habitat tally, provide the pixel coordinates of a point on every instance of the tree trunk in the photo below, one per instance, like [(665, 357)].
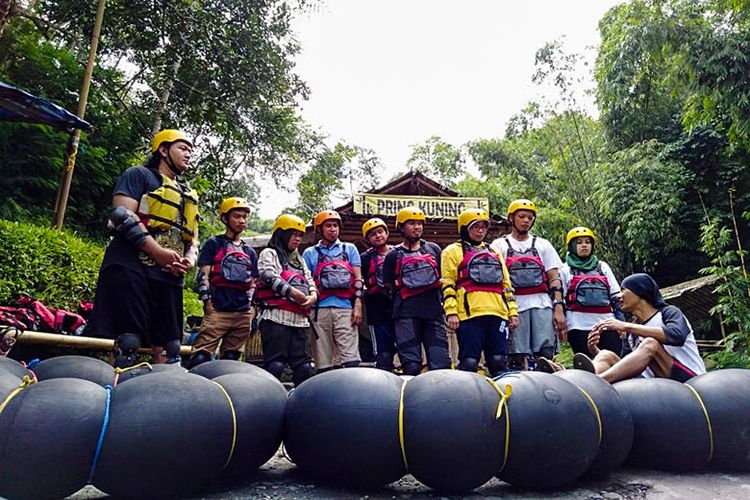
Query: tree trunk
[(6, 7), (164, 98)]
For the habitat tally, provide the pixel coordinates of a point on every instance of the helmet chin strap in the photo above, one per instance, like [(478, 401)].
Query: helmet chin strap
[(228, 225), (170, 163), (522, 231)]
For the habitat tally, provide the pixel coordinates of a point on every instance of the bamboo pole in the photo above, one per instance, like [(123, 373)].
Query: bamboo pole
[(74, 341), (72, 150)]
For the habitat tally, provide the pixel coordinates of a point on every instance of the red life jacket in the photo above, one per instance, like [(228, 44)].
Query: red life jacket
[(527, 273), (334, 275), (416, 272), (31, 314), (589, 292), (374, 281), (268, 299), (232, 267), (480, 270)]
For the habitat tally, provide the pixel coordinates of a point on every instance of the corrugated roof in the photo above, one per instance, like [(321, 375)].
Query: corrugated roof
[(675, 291), (695, 298)]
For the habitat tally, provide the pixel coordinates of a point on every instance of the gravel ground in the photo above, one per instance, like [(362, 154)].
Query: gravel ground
[(278, 478)]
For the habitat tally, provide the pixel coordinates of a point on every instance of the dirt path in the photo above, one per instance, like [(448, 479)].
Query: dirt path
[(279, 479)]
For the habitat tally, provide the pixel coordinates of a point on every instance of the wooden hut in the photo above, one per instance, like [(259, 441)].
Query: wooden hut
[(441, 204)]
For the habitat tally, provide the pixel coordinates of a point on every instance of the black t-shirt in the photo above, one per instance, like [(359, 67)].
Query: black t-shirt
[(379, 305), (134, 183), (227, 298), (426, 305)]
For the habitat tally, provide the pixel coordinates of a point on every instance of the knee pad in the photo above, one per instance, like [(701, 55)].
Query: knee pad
[(350, 364), (233, 355), (198, 358), (301, 373), (275, 368), (172, 349), (411, 368), (517, 362), (469, 365), (497, 364), (547, 352), (384, 361), (126, 350)]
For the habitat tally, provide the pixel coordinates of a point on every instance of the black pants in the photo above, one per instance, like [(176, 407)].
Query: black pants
[(413, 333), (129, 302), (608, 340), (288, 344)]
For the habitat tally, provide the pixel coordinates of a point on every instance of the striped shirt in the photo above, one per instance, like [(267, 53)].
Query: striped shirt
[(269, 261)]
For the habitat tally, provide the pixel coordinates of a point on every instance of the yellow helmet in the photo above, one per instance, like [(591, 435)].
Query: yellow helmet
[(168, 135), (325, 215), (521, 204), (409, 213), (468, 217), (233, 203), (288, 221), (579, 231), (372, 224)]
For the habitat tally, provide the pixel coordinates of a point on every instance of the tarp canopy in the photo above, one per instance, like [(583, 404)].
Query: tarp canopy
[(19, 106)]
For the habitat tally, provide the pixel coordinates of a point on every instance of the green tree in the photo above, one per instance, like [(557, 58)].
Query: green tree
[(674, 72), (727, 261), (437, 159), (643, 193), (33, 155), (222, 71), (337, 173), (638, 92)]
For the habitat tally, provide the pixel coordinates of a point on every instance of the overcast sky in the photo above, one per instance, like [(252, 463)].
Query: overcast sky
[(389, 74)]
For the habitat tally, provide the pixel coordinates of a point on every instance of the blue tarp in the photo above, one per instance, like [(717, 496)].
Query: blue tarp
[(19, 106)]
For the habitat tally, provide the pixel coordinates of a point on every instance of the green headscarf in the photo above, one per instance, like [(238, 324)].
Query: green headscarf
[(576, 262), (280, 243)]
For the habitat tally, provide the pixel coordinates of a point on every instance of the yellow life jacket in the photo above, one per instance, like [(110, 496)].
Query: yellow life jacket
[(171, 205)]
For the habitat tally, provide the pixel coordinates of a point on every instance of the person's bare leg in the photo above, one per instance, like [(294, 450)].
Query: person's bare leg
[(650, 353), (604, 360)]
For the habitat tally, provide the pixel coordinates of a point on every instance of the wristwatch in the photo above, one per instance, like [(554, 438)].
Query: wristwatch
[(558, 301)]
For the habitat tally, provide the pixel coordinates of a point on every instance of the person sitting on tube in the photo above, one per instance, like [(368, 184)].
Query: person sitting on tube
[(660, 343)]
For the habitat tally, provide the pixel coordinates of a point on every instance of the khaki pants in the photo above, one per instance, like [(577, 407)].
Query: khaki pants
[(336, 336), (231, 328)]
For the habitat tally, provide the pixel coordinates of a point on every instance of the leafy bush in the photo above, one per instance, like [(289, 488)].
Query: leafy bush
[(732, 290), (56, 267)]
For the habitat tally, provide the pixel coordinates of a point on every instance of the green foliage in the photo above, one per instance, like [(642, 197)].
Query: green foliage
[(191, 302), (222, 71), (437, 159), (727, 256), (336, 174), (675, 72), (56, 267), (638, 91), (715, 64), (33, 155), (643, 193)]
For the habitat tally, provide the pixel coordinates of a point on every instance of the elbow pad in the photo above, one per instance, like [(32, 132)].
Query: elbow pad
[(127, 223), (204, 290), (275, 283)]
